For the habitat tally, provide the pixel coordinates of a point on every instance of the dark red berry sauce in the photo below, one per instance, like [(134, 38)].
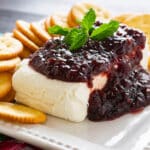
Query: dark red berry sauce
[(123, 94), (55, 61), (119, 56)]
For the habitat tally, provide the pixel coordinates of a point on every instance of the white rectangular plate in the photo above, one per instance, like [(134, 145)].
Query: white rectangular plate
[(131, 131)]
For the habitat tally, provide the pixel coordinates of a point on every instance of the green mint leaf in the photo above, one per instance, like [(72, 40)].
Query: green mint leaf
[(70, 36), (105, 30), (58, 30), (89, 19), (76, 38)]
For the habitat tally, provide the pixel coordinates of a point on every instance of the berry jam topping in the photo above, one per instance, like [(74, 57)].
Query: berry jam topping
[(55, 61), (119, 56), (120, 95)]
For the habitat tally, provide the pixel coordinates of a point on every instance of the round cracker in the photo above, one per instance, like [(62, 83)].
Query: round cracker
[(121, 18), (78, 11), (47, 23), (25, 53), (70, 20), (9, 47), (59, 19), (5, 83), (24, 27), (10, 64), (140, 19), (20, 113), (27, 42), (39, 30), (9, 97)]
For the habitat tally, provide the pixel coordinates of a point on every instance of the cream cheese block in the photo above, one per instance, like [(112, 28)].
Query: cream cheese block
[(67, 100)]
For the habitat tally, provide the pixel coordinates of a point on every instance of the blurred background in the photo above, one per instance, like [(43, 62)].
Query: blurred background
[(48, 6), (32, 10)]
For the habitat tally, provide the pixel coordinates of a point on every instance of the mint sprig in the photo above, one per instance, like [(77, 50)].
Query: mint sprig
[(75, 38), (88, 20), (105, 30), (58, 30)]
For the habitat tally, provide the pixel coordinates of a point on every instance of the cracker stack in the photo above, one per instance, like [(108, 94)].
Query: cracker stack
[(31, 35), (10, 49)]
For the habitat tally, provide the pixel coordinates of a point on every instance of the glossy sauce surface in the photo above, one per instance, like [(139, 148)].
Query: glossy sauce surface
[(55, 61), (119, 56), (129, 93)]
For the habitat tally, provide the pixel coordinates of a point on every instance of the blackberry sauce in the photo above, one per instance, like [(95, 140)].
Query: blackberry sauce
[(124, 94), (128, 86), (55, 61)]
